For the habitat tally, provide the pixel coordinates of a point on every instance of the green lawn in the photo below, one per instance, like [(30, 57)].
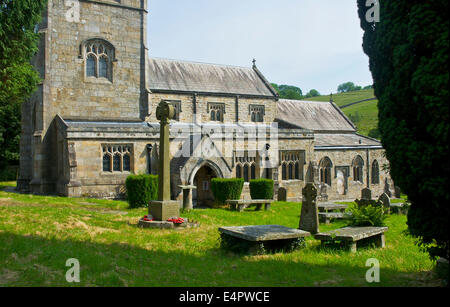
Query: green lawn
[(368, 111), (38, 234)]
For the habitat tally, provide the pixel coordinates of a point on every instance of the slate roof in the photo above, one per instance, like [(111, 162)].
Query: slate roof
[(314, 115), (180, 76), (352, 140)]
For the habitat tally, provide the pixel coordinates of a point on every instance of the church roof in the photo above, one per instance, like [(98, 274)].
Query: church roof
[(180, 76), (339, 140), (313, 115)]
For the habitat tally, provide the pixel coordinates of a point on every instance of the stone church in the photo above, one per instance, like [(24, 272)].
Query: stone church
[(92, 122)]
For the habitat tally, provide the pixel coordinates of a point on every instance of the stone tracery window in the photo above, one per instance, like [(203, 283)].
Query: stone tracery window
[(216, 111), (358, 165), (325, 166), (99, 56), (117, 158), (292, 165), (245, 166), (257, 113)]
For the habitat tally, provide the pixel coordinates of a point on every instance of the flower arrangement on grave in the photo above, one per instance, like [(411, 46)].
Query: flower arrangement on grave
[(148, 218), (177, 221)]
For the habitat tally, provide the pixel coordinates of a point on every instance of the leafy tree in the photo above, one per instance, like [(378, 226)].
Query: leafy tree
[(18, 79), (312, 93), (408, 51), (355, 118), (346, 87), (288, 91), (368, 87)]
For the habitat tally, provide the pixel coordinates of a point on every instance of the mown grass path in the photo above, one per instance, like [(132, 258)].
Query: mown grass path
[(38, 234)]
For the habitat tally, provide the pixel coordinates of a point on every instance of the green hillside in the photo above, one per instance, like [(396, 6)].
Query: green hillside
[(364, 115)]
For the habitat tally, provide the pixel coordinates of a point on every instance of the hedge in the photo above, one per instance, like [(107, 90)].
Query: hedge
[(261, 188), (141, 189), (226, 189)]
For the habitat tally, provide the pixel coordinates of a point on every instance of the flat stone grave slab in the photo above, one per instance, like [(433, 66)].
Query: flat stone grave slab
[(263, 237), (167, 225), (351, 235)]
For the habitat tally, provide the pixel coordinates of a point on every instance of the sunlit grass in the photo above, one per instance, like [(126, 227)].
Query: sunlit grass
[(39, 233)]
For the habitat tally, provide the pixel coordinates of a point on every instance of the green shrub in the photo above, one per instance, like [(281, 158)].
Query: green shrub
[(9, 173), (226, 189), (261, 188), (141, 189), (367, 215)]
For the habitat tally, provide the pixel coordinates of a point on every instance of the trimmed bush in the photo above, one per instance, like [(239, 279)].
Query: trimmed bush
[(261, 188), (141, 189), (226, 189)]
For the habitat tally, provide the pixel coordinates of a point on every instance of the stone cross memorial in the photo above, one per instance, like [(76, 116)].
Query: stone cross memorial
[(164, 208), (309, 218)]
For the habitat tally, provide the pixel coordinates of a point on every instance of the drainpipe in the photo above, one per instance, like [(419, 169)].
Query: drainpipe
[(194, 106), (237, 108), (368, 167)]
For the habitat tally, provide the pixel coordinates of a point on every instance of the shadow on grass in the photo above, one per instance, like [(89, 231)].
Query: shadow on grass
[(38, 261)]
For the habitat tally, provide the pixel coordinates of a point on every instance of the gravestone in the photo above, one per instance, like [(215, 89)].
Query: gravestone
[(309, 218), (366, 194), (387, 188), (164, 208), (385, 199), (282, 194), (398, 192)]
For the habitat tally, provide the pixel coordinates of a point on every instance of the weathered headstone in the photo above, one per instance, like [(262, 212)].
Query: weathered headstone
[(164, 208), (387, 188), (309, 218), (366, 194), (282, 194), (398, 192), (187, 196), (385, 199)]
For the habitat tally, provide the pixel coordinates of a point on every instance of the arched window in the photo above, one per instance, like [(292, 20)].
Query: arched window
[(358, 166), (107, 163), (297, 170), (218, 116), (213, 115), (325, 166), (284, 171), (291, 171), (246, 179), (375, 172), (116, 163), (91, 66), (238, 171), (253, 171), (98, 55), (126, 163)]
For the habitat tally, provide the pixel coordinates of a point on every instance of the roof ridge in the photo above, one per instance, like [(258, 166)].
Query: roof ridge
[(198, 62)]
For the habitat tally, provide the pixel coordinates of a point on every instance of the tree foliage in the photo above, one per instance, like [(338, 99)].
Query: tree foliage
[(408, 51), (312, 93), (18, 79), (348, 87), (288, 91)]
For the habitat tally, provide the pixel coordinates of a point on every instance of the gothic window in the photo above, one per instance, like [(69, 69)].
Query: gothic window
[(107, 162), (375, 172), (117, 158), (257, 113), (325, 166), (245, 166), (284, 172), (216, 111), (238, 171), (99, 56), (292, 164), (358, 165)]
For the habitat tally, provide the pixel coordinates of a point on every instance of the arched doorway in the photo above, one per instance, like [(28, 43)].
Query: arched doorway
[(203, 196)]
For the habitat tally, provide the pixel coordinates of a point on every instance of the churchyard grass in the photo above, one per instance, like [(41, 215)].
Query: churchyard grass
[(39, 233)]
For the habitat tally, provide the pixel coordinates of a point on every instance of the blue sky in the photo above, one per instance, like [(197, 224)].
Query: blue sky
[(306, 43)]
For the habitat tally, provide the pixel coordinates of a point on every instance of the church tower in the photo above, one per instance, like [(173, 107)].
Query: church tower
[(93, 63)]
